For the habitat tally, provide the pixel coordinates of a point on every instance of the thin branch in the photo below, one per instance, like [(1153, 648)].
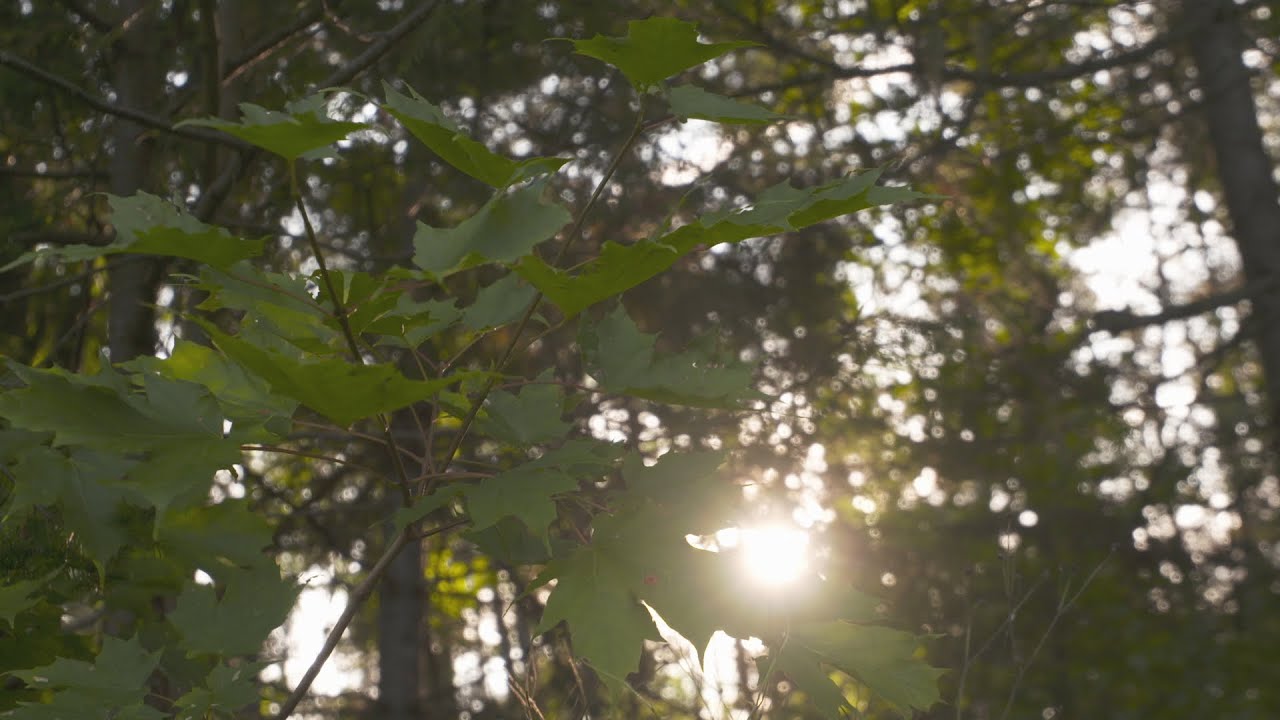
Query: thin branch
[(144, 119), (267, 47), (348, 72), (53, 173), (354, 602), (92, 19), (220, 188), (1064, 604), (581, 220), (1117, 321), (303, 453), (60, 283)]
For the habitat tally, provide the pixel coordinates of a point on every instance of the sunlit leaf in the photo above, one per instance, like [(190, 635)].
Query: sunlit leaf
[(688, 101), (885, 660), (341, 391), (655, 49), (429, 124), (236, 621), (623, 360), (303, 127), (504, 230), (781, 208), (146, 224)]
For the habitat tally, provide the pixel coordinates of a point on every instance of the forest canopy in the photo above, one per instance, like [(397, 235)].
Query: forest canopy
[(703, 359)]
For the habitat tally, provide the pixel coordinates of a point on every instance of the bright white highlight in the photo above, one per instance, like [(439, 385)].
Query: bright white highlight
[(772, 555)]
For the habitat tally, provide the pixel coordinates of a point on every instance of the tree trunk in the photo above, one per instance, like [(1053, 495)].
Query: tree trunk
[(1243, 167), (132, 282), (400, 643)]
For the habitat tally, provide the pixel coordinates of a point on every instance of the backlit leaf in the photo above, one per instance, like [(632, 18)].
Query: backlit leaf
[(252, 604), (300, 129), (688, 101), (624, 361), (504, 230), (341, 391), (655, 49), (429, 124), (781, 208)]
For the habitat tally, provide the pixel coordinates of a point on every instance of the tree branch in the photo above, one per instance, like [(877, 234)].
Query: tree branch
[(217, 191), (142, 118), (1118, 321), (93, 20), (354, 602)]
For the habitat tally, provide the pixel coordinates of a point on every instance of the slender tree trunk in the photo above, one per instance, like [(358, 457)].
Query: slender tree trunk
[(132, 282), (1244, 169), (400, 643)]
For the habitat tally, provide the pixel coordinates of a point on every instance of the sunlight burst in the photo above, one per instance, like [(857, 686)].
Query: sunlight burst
[(772, 555)]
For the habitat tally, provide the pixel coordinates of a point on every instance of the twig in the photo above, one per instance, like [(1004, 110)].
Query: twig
[(340, 311), (93, 20), (142, 118), (537, 298), (354, 602), (1064, 604)]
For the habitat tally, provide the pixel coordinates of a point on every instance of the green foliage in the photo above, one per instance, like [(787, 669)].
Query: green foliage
[(146, 224), (123, 462), (781, 208), (504, 230), (429, 124), (301, 129), (688, 101), (654, 50)]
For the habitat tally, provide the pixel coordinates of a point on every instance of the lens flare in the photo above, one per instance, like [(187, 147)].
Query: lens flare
[(774, 555)]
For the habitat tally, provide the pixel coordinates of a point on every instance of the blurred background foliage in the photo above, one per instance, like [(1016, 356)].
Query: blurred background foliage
[(1032, 416)]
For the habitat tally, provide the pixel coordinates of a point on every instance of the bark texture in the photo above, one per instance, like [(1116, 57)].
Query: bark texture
[(1244, 169)]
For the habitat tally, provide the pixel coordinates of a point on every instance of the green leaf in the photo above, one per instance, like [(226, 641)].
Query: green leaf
[(226, 690), (90, 508), (504, 230), (149, 225), (527, 491), (805, 670), (302, 128), (423, 507), (655, 49), (253, 603), (887, 661), (245, 398), (216, 538), (429, 124), (688, 101), (511, 542), (499, 303), (623, 360), (98, 411), (531, 418), (524, 494), (608, 625), (339, 390), (415, 322), (16, 597), (115, 679), (781, 208), (181, 471)]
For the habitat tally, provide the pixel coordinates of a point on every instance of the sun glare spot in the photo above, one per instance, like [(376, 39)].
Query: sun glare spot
[(773, 555)]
